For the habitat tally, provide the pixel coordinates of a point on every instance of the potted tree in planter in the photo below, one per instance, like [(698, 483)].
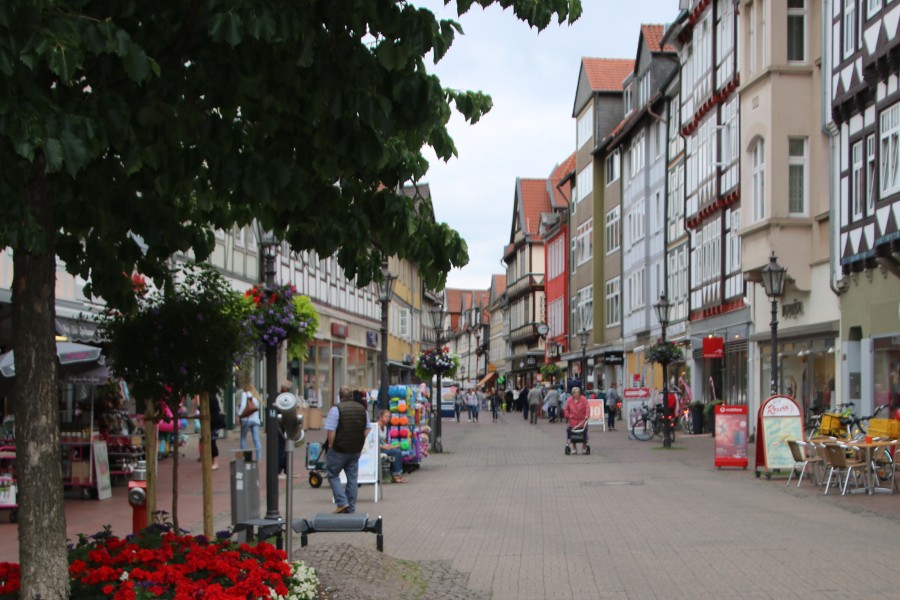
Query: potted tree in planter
[(696, 407)]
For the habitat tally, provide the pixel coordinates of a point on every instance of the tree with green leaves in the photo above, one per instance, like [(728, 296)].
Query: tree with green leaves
[(131, 129), (180, 342)]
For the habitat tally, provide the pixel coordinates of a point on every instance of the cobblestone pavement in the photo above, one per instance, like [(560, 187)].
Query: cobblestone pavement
[(503, 514)]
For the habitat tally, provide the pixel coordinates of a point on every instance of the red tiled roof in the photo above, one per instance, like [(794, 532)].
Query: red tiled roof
[(453, 300), (607, 74), (499, 284), (653, 35), (557, 198), (533, 201)]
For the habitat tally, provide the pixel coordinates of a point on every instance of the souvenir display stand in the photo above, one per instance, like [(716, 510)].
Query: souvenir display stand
[(405, 428)]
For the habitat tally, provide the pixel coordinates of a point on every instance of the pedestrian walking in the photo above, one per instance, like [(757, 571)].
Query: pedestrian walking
[(471, 399), (552, 402), (523, 402), (458, 403), (248, 413), (508, 400), (577, 412), (347, 425), (534, 402), (495, 401), (612, 405)]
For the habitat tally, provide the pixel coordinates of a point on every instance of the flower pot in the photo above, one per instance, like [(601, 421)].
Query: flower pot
[(697, 421)]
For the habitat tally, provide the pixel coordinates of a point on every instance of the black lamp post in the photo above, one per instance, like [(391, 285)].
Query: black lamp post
[(773, 280), (582, 337), (385, 293), (269, 246), (662, 313), (437, 321)]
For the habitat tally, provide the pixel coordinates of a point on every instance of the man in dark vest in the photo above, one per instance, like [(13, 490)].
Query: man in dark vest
[(347, 425)]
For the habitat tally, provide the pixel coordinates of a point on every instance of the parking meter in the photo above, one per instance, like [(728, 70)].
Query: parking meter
[(291, 425)]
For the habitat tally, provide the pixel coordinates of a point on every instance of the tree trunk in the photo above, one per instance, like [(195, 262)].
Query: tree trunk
[(151, 443), (206, 465), (175, 453), (42, 517)]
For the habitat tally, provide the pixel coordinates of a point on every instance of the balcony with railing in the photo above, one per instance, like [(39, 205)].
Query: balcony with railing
[(531, 282)]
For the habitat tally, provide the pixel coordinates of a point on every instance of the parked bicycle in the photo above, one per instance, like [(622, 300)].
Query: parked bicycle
[(650, 424), (845, 424)]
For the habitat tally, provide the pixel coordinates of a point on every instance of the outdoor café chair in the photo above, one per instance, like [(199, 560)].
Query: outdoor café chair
[(804, 458), (838, 461)]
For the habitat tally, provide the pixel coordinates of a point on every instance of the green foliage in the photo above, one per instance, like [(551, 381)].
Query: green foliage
[(148, 123), (549, 371), (180, 342), (663, 353)]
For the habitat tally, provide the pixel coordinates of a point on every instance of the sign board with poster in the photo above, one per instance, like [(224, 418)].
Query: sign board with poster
[(632, 400), (595, 414), (101, 471), (779, 420), (731, 435), (369, 462)]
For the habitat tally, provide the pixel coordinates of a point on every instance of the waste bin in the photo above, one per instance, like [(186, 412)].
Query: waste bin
[(244, 489)]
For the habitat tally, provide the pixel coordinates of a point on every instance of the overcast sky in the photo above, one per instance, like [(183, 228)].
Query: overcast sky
[(532, 79)]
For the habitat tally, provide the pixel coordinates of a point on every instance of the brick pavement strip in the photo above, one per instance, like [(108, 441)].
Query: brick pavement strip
[(504, 514)]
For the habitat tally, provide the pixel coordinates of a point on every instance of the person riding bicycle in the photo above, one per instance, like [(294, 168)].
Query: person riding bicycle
[(576, 412)]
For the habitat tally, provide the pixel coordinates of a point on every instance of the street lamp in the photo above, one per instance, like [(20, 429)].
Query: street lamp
[(437, 321), (773, 280), (385, 293), (269, 245), (582, 337), (662, 313)]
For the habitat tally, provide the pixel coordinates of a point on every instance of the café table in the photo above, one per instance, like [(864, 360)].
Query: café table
[(869, 473)]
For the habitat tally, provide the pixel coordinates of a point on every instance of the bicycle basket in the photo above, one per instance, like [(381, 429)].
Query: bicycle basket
[(831, 424)]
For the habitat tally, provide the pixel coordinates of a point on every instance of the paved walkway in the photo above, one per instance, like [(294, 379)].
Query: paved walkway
[(505, 514)]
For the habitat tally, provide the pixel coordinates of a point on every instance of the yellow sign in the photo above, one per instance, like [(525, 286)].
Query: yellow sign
[(492, 367)]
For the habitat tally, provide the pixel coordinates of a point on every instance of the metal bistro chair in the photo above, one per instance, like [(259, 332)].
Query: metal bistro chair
[(804, 458), (838, 461)]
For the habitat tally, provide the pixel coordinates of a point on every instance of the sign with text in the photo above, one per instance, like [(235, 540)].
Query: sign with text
[(732, 422), (779, 420), (595, 416), (713, 347), (633, 399)]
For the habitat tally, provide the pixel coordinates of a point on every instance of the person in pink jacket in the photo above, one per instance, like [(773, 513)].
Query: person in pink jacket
[(577, 411)]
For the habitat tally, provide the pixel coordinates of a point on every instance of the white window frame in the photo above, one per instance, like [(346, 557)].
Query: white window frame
[(797, 13), (873, 6), (613, 230), (801, 162), (584, 242), (857, 167), (614, 302), (636, 298), (404, 323), (636, 225), (751, 39), (848, 28), (585, 126), (889, 152), (613, 167), (758, 179), (585, 181), (585, 308), (871, 170), (636, 154)]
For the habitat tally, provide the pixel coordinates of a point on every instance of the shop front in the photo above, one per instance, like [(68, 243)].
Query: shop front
[(341, 353), (720, 359)]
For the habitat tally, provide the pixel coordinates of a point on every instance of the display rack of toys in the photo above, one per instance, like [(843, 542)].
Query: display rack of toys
[(404, 431)]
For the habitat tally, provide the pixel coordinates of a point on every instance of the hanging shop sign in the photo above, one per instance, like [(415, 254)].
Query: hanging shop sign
[(614, 358), (713, 347), (339, 330)]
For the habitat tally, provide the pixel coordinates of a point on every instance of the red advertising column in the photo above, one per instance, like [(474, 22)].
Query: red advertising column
[(731, 435)]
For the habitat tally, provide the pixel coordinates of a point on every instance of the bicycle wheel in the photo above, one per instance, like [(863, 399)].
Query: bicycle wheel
[(686, 423), (643, 430)]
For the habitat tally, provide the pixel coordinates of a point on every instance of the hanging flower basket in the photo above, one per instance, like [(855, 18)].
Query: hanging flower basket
[(663, 353), (433, 362), (280, 315), (550, 371)]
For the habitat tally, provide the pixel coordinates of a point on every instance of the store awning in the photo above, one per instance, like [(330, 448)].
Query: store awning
[(487, 378)]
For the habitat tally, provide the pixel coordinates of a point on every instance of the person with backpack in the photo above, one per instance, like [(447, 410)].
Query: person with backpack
[(248, 413)]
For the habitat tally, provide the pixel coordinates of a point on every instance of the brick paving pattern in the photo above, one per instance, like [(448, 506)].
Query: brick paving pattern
[(504, 514)]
